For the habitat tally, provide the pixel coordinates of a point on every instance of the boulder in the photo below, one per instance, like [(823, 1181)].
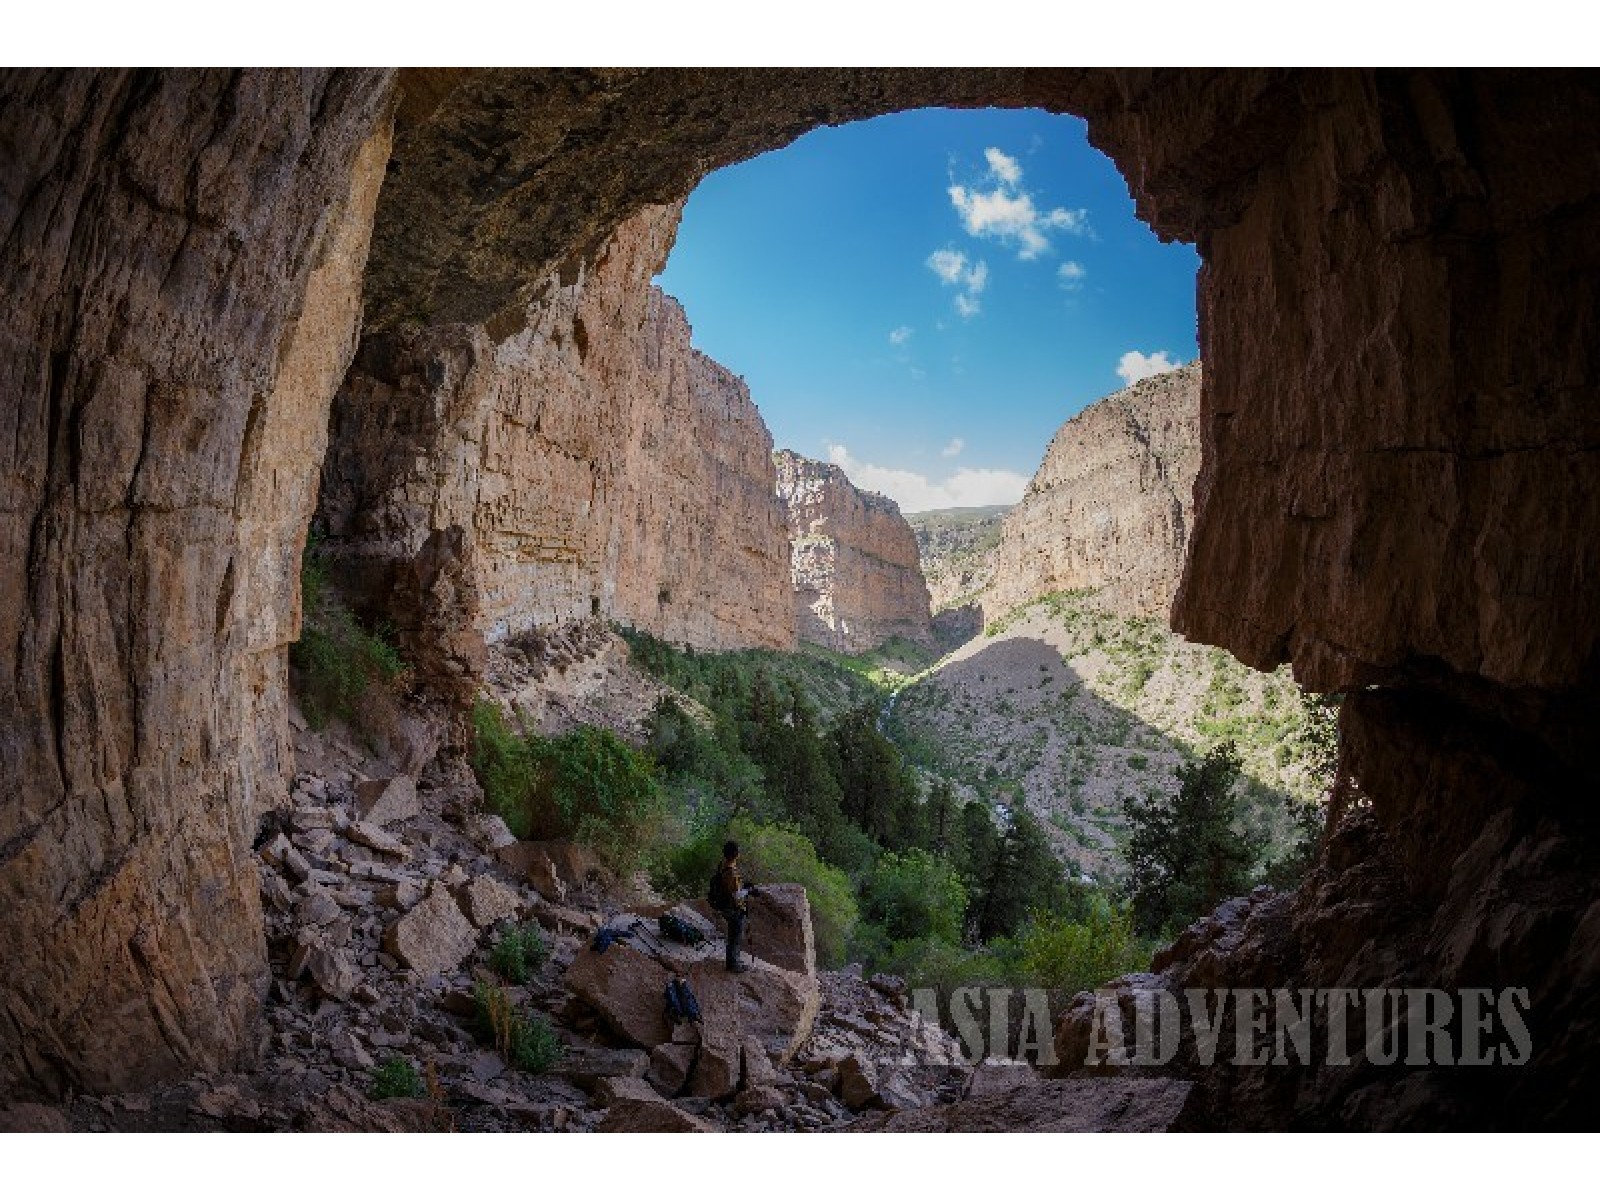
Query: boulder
[(402, 894), (557, 919), (574, 865), (382, 801), (670, 1064), (434, 936), (635, 1107), (333, 971), (769, 1011), (315, 905), (490, 832), (375, 838), (589, 1066), (779, 928), (858, 1082), (486, 900), (626, 989), (532, 863)]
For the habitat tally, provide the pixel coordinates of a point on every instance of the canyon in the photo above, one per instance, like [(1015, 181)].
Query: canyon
[(857, 572), (1397, 492), (1110, 507)]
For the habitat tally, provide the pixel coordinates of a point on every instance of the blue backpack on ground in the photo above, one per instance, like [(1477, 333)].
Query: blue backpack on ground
[(681, 1002), (604, 938)]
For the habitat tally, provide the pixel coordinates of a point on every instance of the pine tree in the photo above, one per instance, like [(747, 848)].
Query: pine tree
[(943, 821), (1185, 855), (1022, 876), (878, 792)]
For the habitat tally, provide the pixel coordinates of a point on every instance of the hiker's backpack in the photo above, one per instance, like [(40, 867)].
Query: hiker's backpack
[(604, 938), (675, 927), (717, 895), (681, 1003)]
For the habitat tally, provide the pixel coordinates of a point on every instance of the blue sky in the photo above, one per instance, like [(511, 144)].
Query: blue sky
[(923, 298)]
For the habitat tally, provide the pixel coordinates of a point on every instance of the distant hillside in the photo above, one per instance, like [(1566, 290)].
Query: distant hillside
[(958, 547), (1070, 708)]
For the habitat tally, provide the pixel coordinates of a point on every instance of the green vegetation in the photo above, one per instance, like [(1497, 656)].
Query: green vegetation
[(895, 876), (1188, 854), (342, 670), (518, 952), (1069, 955), (397, 1078), (588, 785), (526, 1040), (769, 854)]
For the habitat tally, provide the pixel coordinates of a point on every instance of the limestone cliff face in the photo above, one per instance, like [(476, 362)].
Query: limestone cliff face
[(180, 262), (1400, 490), (857, 575), (591, 464), (1110, 508)]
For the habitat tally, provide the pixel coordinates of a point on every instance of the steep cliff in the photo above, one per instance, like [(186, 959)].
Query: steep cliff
[(592, 464), (1399, 490), (857, 575), (180, 259), (1111, 505)]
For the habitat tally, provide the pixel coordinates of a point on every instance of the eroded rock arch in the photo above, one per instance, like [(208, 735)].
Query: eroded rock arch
[(1399, 495)]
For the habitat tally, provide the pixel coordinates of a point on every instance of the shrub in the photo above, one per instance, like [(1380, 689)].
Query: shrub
[(771, 854), (588, 784), (396, 1077), (1074, 956), (337, 662), (915, 895), (526, 1041), (518, 952)]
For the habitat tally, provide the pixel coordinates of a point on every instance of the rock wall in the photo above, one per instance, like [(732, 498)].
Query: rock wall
[(591, 464), (1399, 492), (857, 573), (179, 260), (1111, 505)]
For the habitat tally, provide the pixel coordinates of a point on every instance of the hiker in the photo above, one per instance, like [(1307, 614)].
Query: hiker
[(728, 896)]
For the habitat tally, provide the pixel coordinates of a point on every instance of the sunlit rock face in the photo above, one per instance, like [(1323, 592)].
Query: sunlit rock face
[(593, 463), (1111, 505), (180, 263), (856, 568), (1398, 492)]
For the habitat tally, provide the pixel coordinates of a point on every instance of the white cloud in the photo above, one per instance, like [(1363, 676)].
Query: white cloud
[(1008, 213), (1071, 274), (955, 447), (1134, 366), (949, 265), (901, 335), (1005, 168), (954, 269), (914, 492)]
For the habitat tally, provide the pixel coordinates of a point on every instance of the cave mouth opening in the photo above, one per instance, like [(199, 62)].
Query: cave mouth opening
[(1446, 548)]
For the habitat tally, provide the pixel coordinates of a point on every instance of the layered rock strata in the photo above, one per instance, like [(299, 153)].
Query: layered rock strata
[(180, 259), (1399, 488), (1111, 506), (857, 573), (593, 464)]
